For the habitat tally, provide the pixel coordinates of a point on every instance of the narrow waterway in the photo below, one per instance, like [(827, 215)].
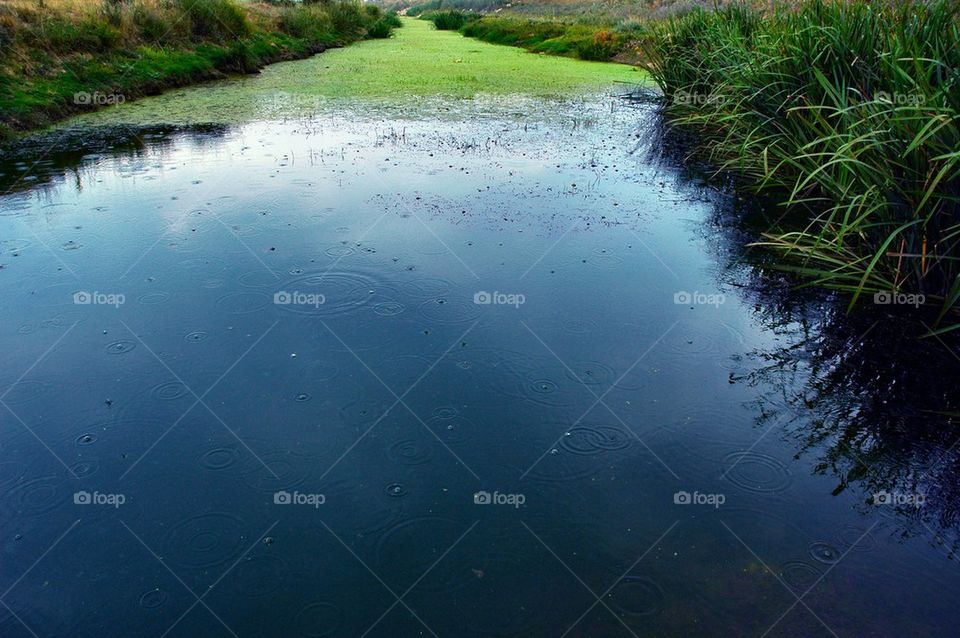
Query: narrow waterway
[(426, 336)]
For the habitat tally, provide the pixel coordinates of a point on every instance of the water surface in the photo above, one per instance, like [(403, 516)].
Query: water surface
[(289, 355)]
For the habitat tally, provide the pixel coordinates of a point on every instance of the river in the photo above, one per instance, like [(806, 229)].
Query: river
[(427, 336)]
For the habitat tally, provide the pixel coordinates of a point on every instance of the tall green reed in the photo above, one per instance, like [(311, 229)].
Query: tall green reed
[(852, 111)]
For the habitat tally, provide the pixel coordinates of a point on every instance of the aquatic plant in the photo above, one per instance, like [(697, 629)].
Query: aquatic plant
[(850, 111)]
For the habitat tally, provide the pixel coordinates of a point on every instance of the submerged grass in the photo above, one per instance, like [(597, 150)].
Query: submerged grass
[(852, 111), (59, 57)]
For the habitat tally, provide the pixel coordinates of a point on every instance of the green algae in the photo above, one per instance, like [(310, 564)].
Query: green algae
[(410, 73)]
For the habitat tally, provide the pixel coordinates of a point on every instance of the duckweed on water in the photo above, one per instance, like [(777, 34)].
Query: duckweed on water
[(417, 62)]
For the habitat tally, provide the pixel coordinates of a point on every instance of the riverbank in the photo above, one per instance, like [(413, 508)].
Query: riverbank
[(585, 41), (64, 57)]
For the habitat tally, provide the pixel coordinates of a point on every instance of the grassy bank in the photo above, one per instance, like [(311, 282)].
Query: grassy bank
[(581, 40), (59, 57), (850, 113), (605, 13)]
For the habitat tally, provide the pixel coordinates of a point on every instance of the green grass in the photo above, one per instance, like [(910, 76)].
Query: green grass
[(603, 13), (384, 26), (851, 113), (554, 37), (449, 20), (121, 51), (214, 19), (421, 8)]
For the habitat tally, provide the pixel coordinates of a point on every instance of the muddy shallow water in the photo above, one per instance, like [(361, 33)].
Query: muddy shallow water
[(486, 374)]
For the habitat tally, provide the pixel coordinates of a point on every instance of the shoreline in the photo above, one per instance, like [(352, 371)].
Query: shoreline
[(62, 62)]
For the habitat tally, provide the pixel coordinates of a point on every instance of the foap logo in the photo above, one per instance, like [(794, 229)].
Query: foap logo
[(696, 498), (891, 298), (695, 298), (82, 98), (298, 498), (486, 498), (687, 98), (900, 99), (96, 298), (495, 298), (296, 298), (900, 499), (97, 498)]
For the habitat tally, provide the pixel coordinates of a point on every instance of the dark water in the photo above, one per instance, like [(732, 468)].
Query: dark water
[(627, 361)]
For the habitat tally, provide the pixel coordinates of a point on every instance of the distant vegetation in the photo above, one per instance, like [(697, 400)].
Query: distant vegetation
[(587, 42), (449, 20), (60, 56), (420, 8), (600, 12), (589, 36)]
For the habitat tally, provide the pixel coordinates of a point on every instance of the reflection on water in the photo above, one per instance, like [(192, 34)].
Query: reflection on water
[(876, 410), (868, 396), (356, 374), (74, 152)]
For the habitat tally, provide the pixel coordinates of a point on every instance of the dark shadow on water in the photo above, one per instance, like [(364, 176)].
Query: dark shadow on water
[(874, 404), (41, 159), (866, 395)]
